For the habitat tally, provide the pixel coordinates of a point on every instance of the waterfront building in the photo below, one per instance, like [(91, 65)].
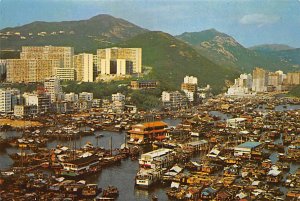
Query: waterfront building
[(173, 99), (147, 132), (242, 86), (159, 158), (274, 83), (189, 87), (118, 97), (260, 80), (24, 110), (5, 101), (30, 70), (118, 106), (96, 103), (119, 61), (65, 73), (143, 84), (86, 96), (53, 88), (71, 97), (79, 166), (63, 54), (83, 64), (42, 101)]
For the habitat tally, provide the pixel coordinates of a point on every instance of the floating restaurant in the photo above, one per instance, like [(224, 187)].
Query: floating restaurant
[(146, 133)]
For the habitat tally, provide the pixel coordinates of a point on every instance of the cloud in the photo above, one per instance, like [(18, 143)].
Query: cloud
[(259, 19)]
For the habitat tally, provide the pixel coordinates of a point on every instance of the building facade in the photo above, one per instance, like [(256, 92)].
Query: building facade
[(84, 68), (52, 88), (5, 101), (119, 61), (260, 80), (30, 70), (63, 54)]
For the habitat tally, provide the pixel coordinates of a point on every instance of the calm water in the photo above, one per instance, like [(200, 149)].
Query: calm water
[(122, 176)]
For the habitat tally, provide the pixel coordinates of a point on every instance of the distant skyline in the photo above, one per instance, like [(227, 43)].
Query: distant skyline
[(250, 22)]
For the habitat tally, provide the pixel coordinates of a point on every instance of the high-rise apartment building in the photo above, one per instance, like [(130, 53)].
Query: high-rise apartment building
[(189, 86), (293, 78), (63, 54), (260, 80), (5, 101), (65, 73), (83, 65), (30, 70), (52, 88), (119, 61)]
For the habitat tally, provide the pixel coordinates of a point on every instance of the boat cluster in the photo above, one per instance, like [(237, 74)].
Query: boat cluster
[(247, 152)]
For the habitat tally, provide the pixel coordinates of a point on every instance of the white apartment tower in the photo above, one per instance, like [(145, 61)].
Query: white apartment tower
[(119, 61), (83, 64), (5, 101), (52, 87), (190, 80)]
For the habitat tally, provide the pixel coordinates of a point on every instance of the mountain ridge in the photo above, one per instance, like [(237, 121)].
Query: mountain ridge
[(225, 50)]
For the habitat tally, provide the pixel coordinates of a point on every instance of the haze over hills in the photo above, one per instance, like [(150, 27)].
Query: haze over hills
[(284, 52), (271, 47), (83, 35), (225, 50)]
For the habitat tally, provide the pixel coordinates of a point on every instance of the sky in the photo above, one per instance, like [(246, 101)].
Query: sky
[(250, 22)]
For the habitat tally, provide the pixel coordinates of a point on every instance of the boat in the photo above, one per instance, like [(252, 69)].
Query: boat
[(147, 177), (91, 190), (110, 192), (99, 135)]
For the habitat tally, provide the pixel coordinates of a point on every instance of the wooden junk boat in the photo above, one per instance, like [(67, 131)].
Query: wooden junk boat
[(110, 192)]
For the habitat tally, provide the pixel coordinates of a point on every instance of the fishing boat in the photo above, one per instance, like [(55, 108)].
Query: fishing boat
[(91, 190), (110, 192)]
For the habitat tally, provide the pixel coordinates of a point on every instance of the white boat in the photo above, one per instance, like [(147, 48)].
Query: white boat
[(98, 135), (195, 134), (147, 177)]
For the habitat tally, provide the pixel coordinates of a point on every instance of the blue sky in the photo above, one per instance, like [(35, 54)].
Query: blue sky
[(251, 22)]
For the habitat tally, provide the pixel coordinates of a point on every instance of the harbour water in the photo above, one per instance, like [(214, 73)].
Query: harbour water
[(122, 176)]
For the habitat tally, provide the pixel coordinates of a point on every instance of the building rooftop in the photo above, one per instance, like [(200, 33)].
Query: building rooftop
[(249, 145), (158, 152)]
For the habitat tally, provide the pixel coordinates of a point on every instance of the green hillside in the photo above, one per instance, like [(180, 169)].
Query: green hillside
[(290, 55), (172, 59), (83, 35), (226, 51), (295, 91)]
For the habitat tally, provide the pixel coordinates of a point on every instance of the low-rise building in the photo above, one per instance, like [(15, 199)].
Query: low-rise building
[(71, 97), (25, 110), (86, 96), (174, 99), (118, 97), (143, 84)]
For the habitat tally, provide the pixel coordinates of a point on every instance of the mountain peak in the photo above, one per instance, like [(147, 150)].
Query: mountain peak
[(102, 17)]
